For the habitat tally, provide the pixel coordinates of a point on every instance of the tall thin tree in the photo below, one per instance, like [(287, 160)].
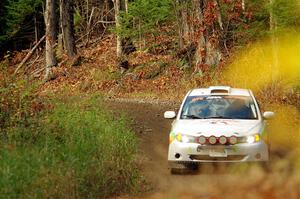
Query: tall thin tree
[(67, 26), (117, 7), (51, 33)]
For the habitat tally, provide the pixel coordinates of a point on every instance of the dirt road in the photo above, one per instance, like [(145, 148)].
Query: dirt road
[(211, 180)]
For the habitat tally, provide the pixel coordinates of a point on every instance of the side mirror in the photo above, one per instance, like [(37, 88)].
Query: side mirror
[(170, 115), (268, 115)]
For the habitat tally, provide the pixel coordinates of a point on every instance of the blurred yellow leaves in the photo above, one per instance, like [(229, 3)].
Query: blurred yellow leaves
[(284, 129), (275, 59)]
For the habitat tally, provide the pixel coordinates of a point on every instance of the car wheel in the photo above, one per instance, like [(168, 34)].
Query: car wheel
[(184, 169), (263, 165), (266, 166)]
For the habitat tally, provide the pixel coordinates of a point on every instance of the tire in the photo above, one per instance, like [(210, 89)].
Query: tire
[(181, 169), (266, 166)]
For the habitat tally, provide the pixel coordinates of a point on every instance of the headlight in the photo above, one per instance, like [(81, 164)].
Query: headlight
[(185, 138), (252, 138)]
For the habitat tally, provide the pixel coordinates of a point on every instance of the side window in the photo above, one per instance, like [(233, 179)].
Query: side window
[(253, 110), (185, 107)]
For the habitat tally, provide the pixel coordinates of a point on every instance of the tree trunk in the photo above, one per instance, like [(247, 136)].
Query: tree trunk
[(208, 52), (176, 5), (243, 5), (124, 45), (200, 25), (126, 6), (117, 6), (67, 25), (50, 37), (201, 48), (184, 27)]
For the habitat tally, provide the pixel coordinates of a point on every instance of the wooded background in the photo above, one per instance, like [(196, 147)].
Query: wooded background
[(204, 31)]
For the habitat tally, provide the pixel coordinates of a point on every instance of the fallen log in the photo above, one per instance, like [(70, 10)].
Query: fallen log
[(29, 54)]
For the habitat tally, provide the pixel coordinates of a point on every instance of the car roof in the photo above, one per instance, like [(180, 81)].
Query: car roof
[(220, 90)]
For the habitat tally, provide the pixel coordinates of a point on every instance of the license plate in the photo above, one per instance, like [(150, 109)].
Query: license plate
[(217, 153)]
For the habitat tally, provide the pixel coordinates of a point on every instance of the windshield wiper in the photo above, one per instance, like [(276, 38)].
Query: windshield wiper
[(219, 117), (193, 117)]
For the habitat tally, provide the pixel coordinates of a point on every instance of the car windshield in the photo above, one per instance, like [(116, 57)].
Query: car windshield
[(222, 107)]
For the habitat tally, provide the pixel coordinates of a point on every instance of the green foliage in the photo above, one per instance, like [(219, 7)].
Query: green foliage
[(286, 13), (17, 10), (16, 101), (254, 23), (13, 13), (62, 148), (143, 16), (77, 19), (2, 22)]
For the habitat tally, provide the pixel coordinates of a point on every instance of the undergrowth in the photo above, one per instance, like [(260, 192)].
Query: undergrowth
[(66, 147)]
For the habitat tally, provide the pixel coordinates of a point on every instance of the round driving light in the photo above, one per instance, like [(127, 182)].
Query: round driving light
[(222, 140), (233, 140), (212, 140), (202, 140)]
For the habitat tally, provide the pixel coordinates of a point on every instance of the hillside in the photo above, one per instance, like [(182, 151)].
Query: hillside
[(152, 74)]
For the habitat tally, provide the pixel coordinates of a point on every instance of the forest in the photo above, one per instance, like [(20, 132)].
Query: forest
[(64, 62)]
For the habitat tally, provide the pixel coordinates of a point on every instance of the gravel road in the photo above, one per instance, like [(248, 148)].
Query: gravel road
[(211, 181)]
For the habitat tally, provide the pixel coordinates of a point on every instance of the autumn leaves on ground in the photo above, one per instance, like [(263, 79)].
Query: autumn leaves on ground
[(95, 128)]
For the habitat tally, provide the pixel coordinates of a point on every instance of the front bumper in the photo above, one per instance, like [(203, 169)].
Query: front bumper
[(192, 152)]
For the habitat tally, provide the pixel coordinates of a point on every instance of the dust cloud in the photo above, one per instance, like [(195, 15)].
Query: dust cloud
[(270, 68)]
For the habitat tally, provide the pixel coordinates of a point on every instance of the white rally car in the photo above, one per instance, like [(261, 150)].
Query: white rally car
[(218, 124)]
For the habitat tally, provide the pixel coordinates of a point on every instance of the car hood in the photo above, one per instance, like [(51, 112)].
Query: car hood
[(217, 127)]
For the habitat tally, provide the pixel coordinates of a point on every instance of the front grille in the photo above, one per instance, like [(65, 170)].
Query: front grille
[(208, 158)]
